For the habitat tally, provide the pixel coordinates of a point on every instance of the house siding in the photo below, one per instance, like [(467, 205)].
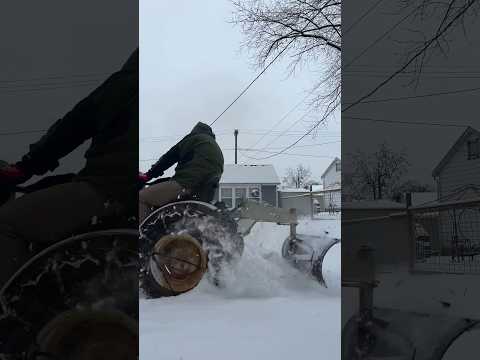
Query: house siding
[(332, 176), (269, 194), (459, 171)]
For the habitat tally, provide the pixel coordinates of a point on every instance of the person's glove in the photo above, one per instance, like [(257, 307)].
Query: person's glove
[(11, 175), (143, 177)]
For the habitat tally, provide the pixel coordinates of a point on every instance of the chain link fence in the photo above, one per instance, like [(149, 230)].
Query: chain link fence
[(446, 237)]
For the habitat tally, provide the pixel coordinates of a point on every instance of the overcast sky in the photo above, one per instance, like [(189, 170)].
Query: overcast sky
[(458, 69), (191, 68)]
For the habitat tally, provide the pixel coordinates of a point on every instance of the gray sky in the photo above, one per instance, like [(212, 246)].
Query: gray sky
[(47, 58), (425, 145), (191, 68)]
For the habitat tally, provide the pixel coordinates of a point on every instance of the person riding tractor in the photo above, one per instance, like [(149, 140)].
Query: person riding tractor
[(109, 117), (197, 175)]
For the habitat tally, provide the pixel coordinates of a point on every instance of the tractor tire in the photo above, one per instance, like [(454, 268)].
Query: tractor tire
[(96, 270), (204, 224)]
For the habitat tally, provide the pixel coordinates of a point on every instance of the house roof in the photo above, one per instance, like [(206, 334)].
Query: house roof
[(301, 190), (330, 166), (466, 134), (249, 174), (318, 187)]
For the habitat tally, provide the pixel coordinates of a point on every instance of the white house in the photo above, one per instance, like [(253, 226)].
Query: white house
[(252, 182), (331, 177), (332, 181), (460, 167)]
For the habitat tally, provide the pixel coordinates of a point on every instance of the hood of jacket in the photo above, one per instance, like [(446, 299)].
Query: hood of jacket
[(202, 128)]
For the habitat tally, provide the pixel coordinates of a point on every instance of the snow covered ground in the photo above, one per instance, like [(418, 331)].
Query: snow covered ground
[(268, 310)]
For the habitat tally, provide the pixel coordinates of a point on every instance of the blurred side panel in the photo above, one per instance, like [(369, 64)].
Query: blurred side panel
[(68, 171)]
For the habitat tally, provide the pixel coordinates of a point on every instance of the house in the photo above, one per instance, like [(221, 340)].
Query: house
[(300, 199), (252, 182), (332, 181), (331, 177), (453, 226), (460, 167)]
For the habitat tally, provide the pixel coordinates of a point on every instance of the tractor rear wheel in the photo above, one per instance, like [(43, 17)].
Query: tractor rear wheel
[(180, 242)]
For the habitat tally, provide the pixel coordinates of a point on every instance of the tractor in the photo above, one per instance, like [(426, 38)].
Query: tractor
[(183, 241), (74, 299), (78, 298)]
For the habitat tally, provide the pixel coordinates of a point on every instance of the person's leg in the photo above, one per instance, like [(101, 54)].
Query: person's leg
[(157, 195), (46, 216)]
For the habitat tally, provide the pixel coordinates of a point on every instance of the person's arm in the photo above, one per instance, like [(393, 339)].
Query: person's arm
[(171, 157), (79, 124)]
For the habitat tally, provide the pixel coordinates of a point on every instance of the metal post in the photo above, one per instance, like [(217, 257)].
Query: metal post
[(365, 255), (312, 207), (236, 136), (293, 223)]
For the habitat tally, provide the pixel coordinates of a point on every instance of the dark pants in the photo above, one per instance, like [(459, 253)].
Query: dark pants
[(43, 218)]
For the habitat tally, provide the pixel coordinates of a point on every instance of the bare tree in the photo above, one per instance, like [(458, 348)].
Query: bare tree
[(376, 175), (409, 186), (307, 31), (297, 177), (434, 25)]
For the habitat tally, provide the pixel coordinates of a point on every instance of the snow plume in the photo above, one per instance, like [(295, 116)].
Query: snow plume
[(266, 309), (262, 272)]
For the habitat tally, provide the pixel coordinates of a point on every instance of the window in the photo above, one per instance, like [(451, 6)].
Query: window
[(338, 166), (226, 197), (233, 196), (254, 193), (240, 195), (473, 149)]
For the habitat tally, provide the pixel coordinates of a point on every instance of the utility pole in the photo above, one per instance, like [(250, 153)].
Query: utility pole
[(236, 136)]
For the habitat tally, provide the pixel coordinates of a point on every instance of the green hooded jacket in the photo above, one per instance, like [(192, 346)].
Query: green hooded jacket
[(200, 160), (109, 118)]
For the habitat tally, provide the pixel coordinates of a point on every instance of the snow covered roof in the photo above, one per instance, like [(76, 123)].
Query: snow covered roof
[(419, 198), (317, 187), (373, 204), (301, 190), (249, 174), (293, 190)]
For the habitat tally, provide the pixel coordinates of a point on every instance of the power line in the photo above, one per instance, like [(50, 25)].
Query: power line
[(376, 41), (285, 116), (21, 132), (364, 15), (404, 122), (452, 92), (426, 66), (414, 57), (310, 145), (45, 88), (438, 72), (252, 82), (325, 116), (285, 153), (291, 126), (260, 74), (276, 148), (423, 75), (244, 132), (53, 77)]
